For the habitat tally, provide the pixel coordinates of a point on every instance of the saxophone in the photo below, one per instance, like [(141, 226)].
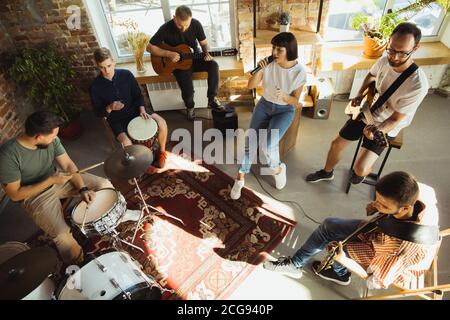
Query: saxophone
[(367, 227)]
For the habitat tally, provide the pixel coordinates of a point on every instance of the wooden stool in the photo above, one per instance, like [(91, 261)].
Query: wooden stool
[(289, 139), (372, 178)]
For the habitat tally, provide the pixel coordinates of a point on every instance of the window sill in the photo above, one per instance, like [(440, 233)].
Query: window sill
[(351, 57), (228, 66)]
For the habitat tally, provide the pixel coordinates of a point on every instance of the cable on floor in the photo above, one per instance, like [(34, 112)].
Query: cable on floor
[(285, 201)]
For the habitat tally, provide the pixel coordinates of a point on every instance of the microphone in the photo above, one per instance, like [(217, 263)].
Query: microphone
[(269, 59)]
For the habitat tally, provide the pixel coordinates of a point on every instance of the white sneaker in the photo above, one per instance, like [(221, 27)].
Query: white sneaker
[(280, 179), (236, 190)]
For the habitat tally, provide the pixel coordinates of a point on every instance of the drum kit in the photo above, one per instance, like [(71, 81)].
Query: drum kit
[(27, 273)]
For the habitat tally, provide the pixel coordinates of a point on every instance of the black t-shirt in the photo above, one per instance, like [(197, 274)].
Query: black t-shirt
[(171, 35)]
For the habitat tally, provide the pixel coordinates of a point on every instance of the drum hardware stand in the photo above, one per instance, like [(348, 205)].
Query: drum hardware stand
[(153, 283), (115, 238), (146, 208)]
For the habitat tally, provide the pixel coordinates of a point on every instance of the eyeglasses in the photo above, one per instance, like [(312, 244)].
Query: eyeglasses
[(401, 54)]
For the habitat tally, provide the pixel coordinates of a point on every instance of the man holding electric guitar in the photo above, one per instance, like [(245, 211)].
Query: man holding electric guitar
[(401, 87), (171, 48)]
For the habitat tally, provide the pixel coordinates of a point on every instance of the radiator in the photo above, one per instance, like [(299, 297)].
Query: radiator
[(357, 82), (167, 95)]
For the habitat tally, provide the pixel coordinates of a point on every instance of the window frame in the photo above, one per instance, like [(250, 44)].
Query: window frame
[(389, 5), (105, 38)]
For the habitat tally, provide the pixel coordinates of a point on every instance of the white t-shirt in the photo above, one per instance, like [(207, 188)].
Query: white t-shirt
[(287, 80), (406, 99)]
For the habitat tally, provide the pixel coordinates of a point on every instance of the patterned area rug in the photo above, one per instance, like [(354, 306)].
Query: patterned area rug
[(222, 242)]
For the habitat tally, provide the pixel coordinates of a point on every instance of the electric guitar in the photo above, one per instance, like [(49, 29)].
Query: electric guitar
[(357, 112), (165, 66)]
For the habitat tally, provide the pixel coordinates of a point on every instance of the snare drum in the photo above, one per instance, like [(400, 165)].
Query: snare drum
[(103, 215), (114, 275), (45, 290), (144, 131)]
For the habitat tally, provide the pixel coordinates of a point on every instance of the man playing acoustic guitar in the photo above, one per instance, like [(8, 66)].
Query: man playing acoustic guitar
[(396, 246), (390, 117), (183, 29)]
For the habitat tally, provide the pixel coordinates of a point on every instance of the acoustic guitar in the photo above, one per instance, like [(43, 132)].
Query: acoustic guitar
[(357, 112), (165, 66)]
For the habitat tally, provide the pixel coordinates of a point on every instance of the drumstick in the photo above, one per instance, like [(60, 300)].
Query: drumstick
[(84, 218), (90, 168)]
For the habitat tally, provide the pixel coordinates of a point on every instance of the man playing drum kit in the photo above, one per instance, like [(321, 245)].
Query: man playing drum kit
[(116, 95), (28, 174)]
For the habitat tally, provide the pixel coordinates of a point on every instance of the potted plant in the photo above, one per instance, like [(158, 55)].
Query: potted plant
[(376, 32), (137, 43), (284, 19), (47, 75), (271, 22)]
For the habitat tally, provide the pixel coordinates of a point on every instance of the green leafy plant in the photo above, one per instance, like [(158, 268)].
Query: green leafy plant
[(382, 27), (47, 75), (284, 18), (418, 5)]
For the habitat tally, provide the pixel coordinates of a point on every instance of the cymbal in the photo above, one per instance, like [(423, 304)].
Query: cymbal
[(24, 272), (129, 162)]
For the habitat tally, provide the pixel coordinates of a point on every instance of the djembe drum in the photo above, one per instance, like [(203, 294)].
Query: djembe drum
[(145, 132)]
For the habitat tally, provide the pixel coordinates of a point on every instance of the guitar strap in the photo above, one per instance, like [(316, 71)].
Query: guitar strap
[(394, 86), (408, 231)]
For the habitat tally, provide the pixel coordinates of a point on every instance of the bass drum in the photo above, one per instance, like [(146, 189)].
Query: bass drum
[(109, 275)]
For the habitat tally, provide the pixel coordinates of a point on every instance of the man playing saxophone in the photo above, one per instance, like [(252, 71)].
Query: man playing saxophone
[(393, 247)]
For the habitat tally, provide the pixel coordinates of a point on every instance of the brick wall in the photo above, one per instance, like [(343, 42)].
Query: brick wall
[(12, 107), (32, 22)]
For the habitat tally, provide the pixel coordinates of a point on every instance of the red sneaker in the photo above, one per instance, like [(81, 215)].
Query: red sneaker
[(162, 159), (151, 170)]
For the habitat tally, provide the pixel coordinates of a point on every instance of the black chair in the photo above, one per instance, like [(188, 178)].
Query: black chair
[(372, 178)]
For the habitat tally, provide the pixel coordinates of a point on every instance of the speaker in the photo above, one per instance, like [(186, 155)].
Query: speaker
[(225, 118), (324, 98)]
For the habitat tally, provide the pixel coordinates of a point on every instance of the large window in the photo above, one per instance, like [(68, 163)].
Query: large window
[(109, 17), (338, 26)]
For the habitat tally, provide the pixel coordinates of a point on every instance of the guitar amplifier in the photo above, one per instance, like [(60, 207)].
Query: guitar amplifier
[(225, 118)]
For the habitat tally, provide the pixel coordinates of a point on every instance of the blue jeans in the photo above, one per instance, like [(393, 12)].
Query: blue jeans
[(331, 229), (270, 116)]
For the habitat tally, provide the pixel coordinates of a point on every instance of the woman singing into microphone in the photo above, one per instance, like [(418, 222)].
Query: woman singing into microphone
[(282, 83)]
